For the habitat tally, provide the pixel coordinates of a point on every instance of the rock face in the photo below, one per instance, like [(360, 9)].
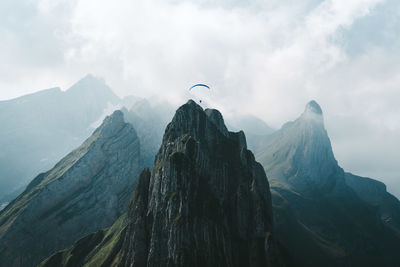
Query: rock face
[(39, 129), (86, 191), (255, 128), (249, 124), (150, 121), (300, 154), (205, 203), (324, 216)]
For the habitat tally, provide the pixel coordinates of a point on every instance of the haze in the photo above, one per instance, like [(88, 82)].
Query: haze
[(266, 58)]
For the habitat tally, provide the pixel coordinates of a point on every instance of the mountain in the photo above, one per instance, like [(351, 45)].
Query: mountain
[(206, 202), (255, 128), (324, 216), (374, 193), (86, 191), (250, 124), (40, 128), (130, 100), (150, 121)]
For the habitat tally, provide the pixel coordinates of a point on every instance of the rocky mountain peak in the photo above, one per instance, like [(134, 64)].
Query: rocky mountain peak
[(89, 81), (216, 117), (303, 146), (91, 86), (116, 118), (314, 107), (112, 124), (191, 119), (54, 122), (313, 114), (85, 191), (205, 203), (326, 217)]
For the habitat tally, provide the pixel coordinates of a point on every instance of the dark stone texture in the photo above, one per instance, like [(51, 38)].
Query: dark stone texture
[(205, 203)]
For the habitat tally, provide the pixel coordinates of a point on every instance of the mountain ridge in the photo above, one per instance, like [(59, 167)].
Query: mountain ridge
[(206, 202), (304, 147), (86, 191), (40, 128), (323, 215)]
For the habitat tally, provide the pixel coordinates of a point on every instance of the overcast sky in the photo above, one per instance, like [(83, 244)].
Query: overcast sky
[(267, 58)]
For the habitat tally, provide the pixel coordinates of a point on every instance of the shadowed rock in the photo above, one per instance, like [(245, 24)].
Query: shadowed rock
[(205, 203), (86, 191)]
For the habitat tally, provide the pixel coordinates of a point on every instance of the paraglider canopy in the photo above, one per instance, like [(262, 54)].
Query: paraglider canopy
[(200, 92), (201, 85)]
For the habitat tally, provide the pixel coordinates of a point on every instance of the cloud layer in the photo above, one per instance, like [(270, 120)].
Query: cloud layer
[(267, 58)]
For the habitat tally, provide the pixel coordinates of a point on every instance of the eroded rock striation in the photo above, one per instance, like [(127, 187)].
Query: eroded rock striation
[(149, 121), (86, 191), (206, 202)]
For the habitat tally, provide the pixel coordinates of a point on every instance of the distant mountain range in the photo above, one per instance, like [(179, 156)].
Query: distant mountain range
[(322, 216), (255, 128), (203, 198), (86, 191), (205, 203), (39, 129), (150, 121)]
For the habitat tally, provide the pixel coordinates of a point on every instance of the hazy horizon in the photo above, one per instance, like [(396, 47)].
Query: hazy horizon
[(356, 165), (265, 58)]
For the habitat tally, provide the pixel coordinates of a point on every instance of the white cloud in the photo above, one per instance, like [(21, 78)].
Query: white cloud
[(268, 58)]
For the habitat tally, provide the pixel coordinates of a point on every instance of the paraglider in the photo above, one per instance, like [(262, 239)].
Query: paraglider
[(199, 85)]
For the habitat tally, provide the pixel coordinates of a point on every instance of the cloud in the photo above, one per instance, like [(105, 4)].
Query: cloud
[(267, 58), (30, 49)]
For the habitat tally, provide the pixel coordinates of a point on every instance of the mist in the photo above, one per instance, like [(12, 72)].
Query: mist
[(261, 58)]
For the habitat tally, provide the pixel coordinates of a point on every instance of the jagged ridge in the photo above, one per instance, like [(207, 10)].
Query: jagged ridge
[(39, 129), (86, 191), (205, 203), (300, 154)]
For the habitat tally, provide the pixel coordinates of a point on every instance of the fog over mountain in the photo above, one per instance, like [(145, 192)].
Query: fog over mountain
[(40, 128), (323, 215), (286, 153), (86, 191), (276, 55), (205, 203), (150, 121), (41, 120)]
